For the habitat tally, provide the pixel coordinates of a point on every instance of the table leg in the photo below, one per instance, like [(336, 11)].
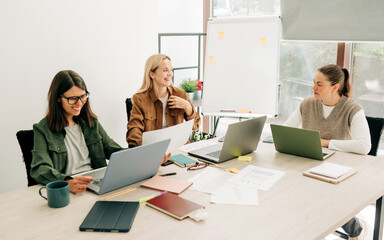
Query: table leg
[(379, 216)]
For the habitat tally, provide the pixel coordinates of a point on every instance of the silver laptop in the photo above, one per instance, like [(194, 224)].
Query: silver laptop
[(298, 141), (241, 138), (128, 166)]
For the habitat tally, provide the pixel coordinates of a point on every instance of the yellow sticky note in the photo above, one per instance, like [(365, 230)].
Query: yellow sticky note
[(211, 59), (263, 40), (221, 35), (244, 158), (234, 170)]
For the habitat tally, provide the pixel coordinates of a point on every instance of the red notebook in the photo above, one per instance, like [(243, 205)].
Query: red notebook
[(174, 205), (167, 184)]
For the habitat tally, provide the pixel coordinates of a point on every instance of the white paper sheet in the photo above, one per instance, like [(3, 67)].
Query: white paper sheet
[(209, 180), (178, 134), (257, 177), (197, 145), (235, 194)]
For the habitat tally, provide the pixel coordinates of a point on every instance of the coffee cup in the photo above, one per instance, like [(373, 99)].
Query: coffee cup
[(57, 194)]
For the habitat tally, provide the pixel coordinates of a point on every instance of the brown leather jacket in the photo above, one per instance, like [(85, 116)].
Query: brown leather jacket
[(147, 114)]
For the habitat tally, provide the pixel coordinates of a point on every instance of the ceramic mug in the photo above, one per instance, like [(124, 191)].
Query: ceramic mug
[(57, 194)]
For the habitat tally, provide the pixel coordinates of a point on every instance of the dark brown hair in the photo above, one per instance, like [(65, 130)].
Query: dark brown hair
[(337, 75), (62, 82)]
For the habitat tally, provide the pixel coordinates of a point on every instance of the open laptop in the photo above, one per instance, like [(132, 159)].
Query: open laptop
[(241, 138), (179, 135), (128, 166), (298, 141)]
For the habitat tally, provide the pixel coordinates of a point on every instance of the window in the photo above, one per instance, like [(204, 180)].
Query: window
[(231, 8), (368, 77), (298, 64)]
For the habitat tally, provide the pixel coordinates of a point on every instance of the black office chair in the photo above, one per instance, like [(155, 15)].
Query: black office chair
[(25, 138), (376, 129), (128, 105)]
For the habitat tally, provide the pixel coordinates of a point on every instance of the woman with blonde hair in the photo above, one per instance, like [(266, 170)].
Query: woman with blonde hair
[(158, 104)]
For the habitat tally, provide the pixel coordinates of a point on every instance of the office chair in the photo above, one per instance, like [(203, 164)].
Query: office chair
[(128, 105), (25, 138), (375, 129)]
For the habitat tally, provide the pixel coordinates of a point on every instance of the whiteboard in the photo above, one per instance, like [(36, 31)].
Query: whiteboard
[(242, 65)]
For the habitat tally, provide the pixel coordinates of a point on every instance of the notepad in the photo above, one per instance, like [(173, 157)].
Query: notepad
[(182, 161), (174, 205), (330, 172), (167, 184), (110, 216)]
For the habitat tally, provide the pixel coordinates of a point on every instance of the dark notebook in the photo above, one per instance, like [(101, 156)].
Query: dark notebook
[(110, 216)]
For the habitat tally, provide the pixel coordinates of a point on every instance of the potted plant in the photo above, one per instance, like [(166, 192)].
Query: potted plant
[(189, 87)]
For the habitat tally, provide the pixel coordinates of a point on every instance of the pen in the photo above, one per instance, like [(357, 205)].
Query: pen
[(168, 174), (144, 199)]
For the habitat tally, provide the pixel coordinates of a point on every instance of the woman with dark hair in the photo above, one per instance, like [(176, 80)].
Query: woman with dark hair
[(70, 139), (340, 121)]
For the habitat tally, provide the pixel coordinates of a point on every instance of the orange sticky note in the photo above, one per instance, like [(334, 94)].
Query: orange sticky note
[(245, 111), (263, 40), (234, 170), (221, 35), (211, 59)]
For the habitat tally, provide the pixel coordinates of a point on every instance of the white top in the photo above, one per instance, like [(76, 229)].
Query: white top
[(78, 159), (164, 101), (359, 130)]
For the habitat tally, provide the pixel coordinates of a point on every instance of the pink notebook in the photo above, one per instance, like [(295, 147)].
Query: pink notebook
[(167, 184)]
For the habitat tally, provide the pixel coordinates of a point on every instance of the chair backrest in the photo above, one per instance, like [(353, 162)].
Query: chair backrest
[(25, 138), (375, 129), (128, 105)]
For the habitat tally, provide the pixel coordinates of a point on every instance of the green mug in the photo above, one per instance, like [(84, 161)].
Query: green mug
[(57, 194)]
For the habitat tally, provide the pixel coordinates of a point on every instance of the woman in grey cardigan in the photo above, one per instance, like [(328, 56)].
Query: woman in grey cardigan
[(340, 121)]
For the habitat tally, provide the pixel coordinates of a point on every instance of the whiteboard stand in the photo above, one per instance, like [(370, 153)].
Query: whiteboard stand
[(241, 67), (217, 116)]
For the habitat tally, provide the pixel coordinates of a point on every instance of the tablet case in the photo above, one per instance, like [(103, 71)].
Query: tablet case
[(110, 216)]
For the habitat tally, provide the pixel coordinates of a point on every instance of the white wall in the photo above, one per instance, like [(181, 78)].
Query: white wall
[(105, 41)]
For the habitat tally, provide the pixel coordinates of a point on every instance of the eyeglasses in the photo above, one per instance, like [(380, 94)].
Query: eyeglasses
[(198, 166), (73, 100)]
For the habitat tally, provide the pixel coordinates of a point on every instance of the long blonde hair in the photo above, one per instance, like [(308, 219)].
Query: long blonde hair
[(151, 65)]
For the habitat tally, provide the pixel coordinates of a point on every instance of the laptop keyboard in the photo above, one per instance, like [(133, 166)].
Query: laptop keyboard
[(214, 154), (98, 182)]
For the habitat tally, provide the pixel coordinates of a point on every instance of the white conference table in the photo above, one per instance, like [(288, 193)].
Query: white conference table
[(296, 207)]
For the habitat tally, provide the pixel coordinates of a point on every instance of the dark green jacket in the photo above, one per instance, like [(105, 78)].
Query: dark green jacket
[(49, 154)]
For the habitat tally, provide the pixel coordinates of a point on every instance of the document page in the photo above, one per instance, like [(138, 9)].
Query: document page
[(257, 177), (209, 180)]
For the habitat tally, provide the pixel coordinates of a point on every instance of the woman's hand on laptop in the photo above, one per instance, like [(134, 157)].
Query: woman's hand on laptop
[(166, 157), (325, 142), (79, 183)]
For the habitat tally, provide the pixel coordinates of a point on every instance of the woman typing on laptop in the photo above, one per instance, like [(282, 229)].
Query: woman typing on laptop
[(158, 104), (340, 121), (69, 140)]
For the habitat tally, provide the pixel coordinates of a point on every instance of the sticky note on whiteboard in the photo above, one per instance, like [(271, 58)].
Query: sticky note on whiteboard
[(211, 59), (221, 35), (263, 40)]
